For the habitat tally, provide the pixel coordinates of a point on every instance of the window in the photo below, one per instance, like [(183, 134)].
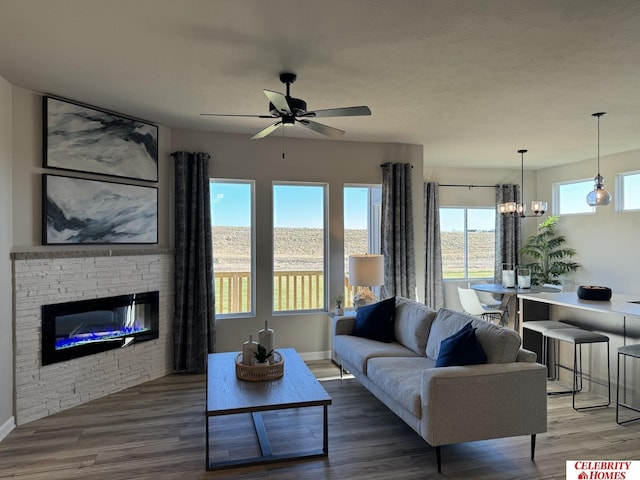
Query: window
[(299, 247), (468, 242), (362, 216), (232, 222), (628, 188), (571, 197)]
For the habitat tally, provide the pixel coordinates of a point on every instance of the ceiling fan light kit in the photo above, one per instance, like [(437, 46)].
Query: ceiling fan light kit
[(289, 111)]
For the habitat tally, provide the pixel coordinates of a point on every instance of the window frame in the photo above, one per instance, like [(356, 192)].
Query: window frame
[(325, 247), (465, 233), (620, 189), (556, 204), (252, 277)]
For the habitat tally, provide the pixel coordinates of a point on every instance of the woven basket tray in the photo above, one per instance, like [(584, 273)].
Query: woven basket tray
[(259, 373)]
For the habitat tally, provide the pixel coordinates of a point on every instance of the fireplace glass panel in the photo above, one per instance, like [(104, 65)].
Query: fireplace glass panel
[(75, 329)]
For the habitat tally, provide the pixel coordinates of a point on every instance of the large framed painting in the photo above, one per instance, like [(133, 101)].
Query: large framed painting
[(80, 211), (90, 140)]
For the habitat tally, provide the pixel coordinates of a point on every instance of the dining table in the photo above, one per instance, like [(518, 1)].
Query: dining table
[(509, 303)]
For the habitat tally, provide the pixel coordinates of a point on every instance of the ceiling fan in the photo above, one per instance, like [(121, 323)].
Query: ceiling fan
[(289, 111)]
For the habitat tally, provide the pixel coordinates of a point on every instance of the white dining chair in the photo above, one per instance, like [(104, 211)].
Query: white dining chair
[(471, 304)]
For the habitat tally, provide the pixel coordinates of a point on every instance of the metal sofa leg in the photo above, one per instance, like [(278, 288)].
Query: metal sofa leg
[(533, 446), (439, 459)]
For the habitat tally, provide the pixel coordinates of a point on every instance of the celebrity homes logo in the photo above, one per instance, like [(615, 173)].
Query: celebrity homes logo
[(603, 470)]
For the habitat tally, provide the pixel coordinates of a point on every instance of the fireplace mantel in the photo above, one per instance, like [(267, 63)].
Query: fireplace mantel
[(36, 253)]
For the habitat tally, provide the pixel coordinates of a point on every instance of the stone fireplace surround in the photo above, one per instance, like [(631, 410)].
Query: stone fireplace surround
[(44, 277)]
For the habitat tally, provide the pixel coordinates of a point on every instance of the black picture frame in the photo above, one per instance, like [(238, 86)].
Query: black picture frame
[(81, 211), (86, 139)]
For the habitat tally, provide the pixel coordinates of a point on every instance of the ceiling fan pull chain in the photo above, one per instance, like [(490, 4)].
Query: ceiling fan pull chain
[(283, 142)]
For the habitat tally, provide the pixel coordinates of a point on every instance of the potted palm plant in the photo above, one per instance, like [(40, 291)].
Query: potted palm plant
[(550, 257)]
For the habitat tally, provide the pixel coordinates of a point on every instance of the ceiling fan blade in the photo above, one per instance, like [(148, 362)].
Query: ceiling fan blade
[(279, 101), (323, 129), (266, 131), (340, 112), (233, 115)]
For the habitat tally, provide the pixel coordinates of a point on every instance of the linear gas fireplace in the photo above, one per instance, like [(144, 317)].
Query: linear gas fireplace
[(76, 329)]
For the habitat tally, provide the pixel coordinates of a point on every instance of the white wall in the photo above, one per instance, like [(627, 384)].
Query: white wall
[(606, 241), (6, 321), (333, 162)]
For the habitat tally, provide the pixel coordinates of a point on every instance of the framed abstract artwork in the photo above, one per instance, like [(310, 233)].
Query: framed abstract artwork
[(86, 139), (80, 211)]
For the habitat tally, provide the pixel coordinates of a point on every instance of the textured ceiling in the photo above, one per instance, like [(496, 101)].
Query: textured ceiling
[(472, 81)]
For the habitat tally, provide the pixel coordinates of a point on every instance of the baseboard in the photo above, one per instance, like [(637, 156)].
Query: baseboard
[(6, 427), (307, 356)]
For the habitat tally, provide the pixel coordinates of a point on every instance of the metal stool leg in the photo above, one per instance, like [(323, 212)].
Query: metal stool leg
[(624, 392), (575, 379)]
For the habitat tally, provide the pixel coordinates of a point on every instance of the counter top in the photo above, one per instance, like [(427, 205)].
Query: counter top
[(619, 304)]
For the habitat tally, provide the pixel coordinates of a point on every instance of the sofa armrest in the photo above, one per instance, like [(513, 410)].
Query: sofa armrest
[(344, 325), (525, 355), (478, 402)]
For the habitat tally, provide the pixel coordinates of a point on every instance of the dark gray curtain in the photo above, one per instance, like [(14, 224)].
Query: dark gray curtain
[(434, 286), (397, 231), (194, 319), (508, 233)]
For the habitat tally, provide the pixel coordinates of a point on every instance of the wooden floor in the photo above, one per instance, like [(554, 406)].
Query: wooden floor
[(155, 431)]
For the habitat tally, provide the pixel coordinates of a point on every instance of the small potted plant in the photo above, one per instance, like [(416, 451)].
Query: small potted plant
[(339, 303), (261, 355)]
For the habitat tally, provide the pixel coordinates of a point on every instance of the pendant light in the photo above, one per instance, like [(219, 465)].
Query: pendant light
[(598, 196), (518, 209)]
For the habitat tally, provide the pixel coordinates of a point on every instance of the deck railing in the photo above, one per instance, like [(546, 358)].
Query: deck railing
[(295, 290)]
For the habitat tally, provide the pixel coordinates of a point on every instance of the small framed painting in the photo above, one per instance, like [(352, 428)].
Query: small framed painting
[(86, 139), (80, 211)]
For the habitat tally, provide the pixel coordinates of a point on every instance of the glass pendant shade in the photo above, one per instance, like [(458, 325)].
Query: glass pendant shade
[(598, 196)]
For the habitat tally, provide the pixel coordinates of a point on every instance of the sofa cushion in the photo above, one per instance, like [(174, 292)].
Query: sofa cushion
[(375, 321), (500, 344), (356, 351), (401, 378), (461, 348), (412, 323)]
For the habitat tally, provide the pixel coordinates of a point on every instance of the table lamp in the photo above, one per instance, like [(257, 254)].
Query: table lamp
[(365, 271)]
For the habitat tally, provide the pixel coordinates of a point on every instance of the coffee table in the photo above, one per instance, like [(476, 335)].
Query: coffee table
[(228, 395)]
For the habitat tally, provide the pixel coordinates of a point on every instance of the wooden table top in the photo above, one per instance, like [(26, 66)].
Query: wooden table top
[(227, 394)]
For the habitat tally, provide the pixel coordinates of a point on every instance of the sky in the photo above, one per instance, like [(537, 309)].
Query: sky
[(301, 206), (295, 206)]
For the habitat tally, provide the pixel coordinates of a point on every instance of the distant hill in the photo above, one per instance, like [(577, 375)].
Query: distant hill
[(232, 247)]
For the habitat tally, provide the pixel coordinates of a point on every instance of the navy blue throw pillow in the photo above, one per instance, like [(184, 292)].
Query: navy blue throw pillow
[(461, 348), (375, 321)]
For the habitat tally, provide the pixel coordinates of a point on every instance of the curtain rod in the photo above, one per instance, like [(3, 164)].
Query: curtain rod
[(465, 185)]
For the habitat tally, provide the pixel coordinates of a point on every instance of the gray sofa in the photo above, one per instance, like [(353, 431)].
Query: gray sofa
[(502, 398)]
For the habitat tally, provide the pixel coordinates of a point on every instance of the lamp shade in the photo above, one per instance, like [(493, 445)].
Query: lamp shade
[(366, 270)]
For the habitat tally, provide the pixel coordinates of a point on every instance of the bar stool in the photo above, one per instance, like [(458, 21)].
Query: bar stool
[(626, 351), (578, 337), (542, 327)]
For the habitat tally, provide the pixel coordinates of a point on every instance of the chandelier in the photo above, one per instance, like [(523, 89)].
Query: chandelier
[(598, 196), (516, 209)]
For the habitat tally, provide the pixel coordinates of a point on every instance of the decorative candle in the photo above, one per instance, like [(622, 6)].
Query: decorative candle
[(508, 279), (248, 348), (524, 278), (265, 338)]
